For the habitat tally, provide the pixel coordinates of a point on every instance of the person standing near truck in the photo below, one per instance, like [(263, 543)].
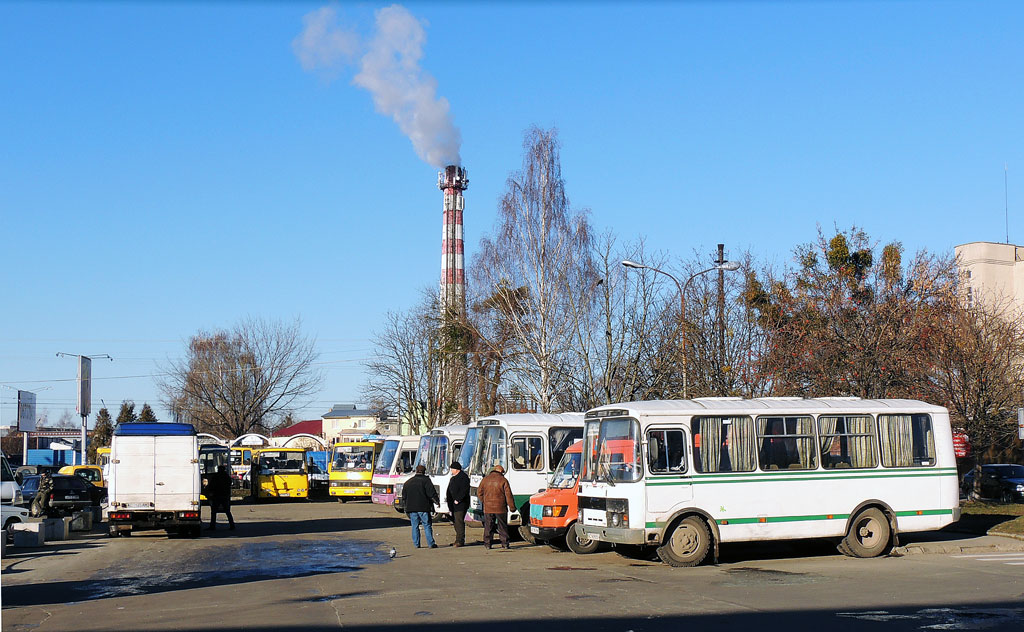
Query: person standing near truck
[(495, 494), (457, 497), (418, 499), (218, 490)]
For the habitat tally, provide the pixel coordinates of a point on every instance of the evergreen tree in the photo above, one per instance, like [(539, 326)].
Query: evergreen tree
[(127, 414), (147, 414), (101, 434)]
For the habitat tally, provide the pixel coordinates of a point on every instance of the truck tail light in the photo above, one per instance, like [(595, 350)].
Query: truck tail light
[(189, 515), (120, 515)]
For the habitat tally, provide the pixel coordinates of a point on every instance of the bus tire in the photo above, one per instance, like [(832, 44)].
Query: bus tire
[(580, 544), (687, 544), (869, 534)]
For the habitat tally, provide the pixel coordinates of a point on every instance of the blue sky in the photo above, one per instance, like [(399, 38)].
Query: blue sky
[(167, 168)]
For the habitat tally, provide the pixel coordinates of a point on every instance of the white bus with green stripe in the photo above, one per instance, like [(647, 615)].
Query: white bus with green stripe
[(528, 446), (685, 476)]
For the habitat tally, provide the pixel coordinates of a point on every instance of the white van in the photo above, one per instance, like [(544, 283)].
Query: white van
[(394, 465), (11, 491), (528, 446)]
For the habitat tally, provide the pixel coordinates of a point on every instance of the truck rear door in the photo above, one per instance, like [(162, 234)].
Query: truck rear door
[(177, 473), (134, 472)]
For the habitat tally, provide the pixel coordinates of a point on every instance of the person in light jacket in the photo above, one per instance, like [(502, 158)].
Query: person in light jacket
[(458, 501), (495, 495)]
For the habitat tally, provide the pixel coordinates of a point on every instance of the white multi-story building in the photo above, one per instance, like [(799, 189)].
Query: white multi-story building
[(993, 274)]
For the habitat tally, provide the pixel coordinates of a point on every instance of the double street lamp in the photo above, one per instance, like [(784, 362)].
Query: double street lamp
[(726, 266)]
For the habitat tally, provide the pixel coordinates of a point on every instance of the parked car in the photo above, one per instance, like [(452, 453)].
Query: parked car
[(1003, 481), (12, 514), (91, 473), (23, 471), (70, 493)]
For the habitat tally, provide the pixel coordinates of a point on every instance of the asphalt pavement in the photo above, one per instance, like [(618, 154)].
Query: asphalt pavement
[(325, 565)]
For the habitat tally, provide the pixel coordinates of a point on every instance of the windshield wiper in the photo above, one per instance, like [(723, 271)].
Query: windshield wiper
[(608, 474)]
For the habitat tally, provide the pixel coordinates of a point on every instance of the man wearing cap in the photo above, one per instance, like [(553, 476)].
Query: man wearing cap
[(458, 501), (495, 494), (418, 499)]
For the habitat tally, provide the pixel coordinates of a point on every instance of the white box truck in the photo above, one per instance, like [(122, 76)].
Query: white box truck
[(154, 479)]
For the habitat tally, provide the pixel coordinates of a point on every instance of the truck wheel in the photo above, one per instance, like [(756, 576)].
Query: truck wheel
[(869, 534), (191, 532), (113, 532), (687, 544), (525, 535), (580, 544)]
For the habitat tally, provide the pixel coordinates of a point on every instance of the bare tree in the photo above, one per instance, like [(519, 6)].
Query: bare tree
[(540, 254), (235, 381), (978, 372), (613, 353), (405, 376)]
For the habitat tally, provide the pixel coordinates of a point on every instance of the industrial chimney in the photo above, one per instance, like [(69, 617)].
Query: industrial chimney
[(453, 182)]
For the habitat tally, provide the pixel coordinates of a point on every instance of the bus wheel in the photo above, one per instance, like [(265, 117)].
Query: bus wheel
[(688, 544), (869, 534), (579, 543)]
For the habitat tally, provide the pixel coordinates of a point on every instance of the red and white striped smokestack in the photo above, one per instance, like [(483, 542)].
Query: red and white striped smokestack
[(453, 182)]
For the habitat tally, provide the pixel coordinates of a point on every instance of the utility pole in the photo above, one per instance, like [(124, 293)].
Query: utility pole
[(719, 262)]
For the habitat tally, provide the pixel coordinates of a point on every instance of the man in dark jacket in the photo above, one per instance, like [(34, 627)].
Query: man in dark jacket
[(458, 501), (495, 494), (418, 498), (218, 492)]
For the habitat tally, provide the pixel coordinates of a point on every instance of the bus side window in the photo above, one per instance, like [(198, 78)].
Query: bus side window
[(907, 440), (667, 452), (526, 453)]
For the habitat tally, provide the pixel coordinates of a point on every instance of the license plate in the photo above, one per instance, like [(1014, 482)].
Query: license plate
[(71, 496), (534, 530), (284, 494)]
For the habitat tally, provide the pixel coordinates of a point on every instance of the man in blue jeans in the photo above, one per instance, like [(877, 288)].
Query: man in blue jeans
[(419, 498)]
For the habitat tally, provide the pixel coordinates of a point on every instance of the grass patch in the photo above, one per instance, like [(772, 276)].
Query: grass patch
[(981, 517)]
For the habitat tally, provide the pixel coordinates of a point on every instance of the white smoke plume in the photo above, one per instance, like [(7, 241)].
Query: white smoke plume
[(389, 68), (322, 44)]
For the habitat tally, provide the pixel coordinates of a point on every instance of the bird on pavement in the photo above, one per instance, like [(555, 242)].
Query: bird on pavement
[(392, 553)]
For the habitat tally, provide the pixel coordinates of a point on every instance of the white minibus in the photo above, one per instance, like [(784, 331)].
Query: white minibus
[(394, 464), (528, 446), (687, 475), (445, 446)]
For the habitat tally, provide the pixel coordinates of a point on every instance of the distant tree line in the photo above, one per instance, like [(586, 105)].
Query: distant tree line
[(554, 322)]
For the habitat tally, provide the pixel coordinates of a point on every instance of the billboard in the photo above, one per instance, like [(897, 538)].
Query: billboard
[(84, 386), (26, 411)]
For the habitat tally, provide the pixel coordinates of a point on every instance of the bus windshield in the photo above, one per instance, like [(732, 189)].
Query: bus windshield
[(490, 451), (568, 470), (438, 462), (282, 462), (211, 459), (423, 452), (612, 448), (386, 457), (352, 457), (468, 446)]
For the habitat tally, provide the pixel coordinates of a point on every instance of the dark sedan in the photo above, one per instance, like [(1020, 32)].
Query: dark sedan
[(70, 493), (1002, 481)]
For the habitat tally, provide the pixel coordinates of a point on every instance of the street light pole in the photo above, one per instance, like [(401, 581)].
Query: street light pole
[(727, 266)]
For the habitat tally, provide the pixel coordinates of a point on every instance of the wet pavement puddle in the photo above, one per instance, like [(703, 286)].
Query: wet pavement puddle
[(747, 576), (212, 566)]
